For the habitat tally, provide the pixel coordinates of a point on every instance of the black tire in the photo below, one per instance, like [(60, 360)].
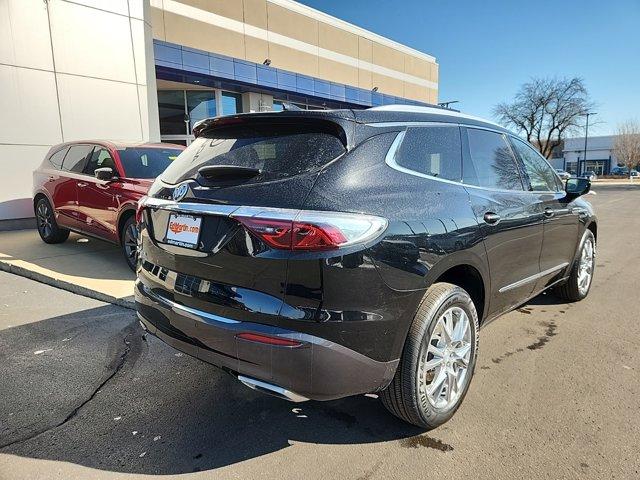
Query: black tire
[(46, 223), (129, 241), (571, 290), (405, 397)]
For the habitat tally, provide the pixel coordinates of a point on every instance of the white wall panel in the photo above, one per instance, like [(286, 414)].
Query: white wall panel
[(93, 108), (24, 34), (28, 107), (115, 6), (91, 42), (139, 50), (139, 9), (18, 164)]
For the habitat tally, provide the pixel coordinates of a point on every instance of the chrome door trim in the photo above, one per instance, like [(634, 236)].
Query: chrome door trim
[(532, 278), (186, 311), (187, 207)]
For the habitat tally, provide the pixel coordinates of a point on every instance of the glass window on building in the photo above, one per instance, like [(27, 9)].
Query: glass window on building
[(200, 105), (277, 106), (231, 103), (571, 167), (171, 112), (179, 110)]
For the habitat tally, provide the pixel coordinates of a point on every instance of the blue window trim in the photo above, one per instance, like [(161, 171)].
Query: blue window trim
[(190, 65)]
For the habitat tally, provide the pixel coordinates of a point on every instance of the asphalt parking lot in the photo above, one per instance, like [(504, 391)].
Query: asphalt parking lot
[(556, 394)]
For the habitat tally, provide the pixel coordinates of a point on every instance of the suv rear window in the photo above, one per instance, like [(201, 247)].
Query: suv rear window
[(56, 158), (279, 151)]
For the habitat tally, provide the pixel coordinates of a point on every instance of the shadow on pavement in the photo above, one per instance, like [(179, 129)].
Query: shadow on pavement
[(106, 398)]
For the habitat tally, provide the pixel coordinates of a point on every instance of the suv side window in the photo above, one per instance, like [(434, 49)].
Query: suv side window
[(491, 163), (76, 159), (100, 158), (433, 151), (541, 176), (56, 158)]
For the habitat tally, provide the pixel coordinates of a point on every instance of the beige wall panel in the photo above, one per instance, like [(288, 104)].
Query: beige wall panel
[(337, 40), (291, 24), (391, 86), (194, 34), (293, 60), (365, 79), (416, 92), (416, 67), (227, 8), (365, 49), (388, 57), (255, 13), (433, 75), (433, 96), (257, 50), (337, 72), (157, 23)]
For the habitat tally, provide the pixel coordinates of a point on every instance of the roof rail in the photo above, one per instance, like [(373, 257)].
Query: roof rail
[(433, 110)]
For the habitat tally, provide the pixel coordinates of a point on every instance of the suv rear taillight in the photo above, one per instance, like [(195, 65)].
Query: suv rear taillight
[(304, 230)]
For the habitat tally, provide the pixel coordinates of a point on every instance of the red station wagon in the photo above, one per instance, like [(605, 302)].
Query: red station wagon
[(92, 187)]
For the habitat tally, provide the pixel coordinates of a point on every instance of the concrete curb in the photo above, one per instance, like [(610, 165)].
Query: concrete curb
[(126, 302)]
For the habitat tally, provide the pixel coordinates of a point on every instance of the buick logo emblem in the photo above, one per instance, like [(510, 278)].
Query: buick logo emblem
[(180, 191)]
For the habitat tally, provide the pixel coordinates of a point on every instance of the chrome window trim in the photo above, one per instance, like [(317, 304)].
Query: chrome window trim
[(391, 153), (532, 278), (390, 158)]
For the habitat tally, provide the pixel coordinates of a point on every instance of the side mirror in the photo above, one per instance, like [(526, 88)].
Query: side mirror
[(577, 186), (105, 173)]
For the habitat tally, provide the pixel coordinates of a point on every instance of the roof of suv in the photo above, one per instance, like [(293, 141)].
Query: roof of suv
[(412, 113), (388, 114), (116, 144)]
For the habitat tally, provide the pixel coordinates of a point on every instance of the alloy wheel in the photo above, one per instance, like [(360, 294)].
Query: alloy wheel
[(444, 365), (585, 268), (131, 243), (44, 219)]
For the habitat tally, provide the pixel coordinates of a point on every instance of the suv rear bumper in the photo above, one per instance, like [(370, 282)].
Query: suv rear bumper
[(318, 369)]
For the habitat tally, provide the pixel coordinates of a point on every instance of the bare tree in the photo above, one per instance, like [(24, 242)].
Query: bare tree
[(626, 145), (546, 110)]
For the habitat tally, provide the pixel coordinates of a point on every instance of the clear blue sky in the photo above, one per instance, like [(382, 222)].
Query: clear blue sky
[(487, 49)]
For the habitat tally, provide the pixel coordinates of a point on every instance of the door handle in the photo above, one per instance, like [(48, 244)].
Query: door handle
[(491, 218), (549, 212), (81, 184)]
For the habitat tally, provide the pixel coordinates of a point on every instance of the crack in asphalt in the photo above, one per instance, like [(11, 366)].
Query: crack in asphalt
[(116, 365)]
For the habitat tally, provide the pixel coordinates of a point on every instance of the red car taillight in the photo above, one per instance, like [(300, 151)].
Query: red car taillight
[(308, 230)]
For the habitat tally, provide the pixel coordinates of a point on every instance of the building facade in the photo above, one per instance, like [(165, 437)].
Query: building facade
[(599, 157), (147, 70)]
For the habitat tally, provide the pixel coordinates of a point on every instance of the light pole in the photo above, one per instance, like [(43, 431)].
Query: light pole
[(586, 136), (446, 104)]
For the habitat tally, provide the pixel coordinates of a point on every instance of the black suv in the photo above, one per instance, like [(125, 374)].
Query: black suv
[(321, 254)]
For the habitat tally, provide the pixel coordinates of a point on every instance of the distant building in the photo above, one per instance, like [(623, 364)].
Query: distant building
[(599, 159)]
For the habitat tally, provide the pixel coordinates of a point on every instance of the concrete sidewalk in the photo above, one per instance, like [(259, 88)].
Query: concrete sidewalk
[(82, 265)]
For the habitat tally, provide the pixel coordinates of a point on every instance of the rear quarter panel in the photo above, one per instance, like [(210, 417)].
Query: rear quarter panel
[(431, 229)]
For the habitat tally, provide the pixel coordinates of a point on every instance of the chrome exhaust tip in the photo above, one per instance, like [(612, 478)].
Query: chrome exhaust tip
[(270, 389)]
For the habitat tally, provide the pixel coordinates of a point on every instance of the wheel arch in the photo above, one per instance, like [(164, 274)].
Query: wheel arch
[(124, 216), (593, 226), (469, 278)]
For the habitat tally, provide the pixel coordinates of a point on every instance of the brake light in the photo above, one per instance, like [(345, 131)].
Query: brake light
[(269, 340), (307, 230)]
